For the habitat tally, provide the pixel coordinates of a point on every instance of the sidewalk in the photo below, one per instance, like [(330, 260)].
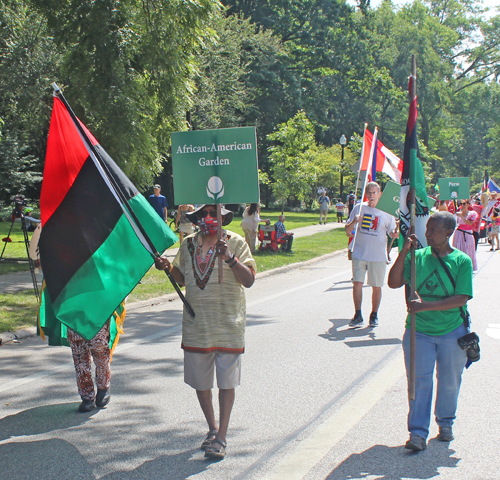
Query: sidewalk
[(19, 281)]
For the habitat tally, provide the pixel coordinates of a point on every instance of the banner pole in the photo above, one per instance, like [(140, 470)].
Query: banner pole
[(413, 273), (219, 236)]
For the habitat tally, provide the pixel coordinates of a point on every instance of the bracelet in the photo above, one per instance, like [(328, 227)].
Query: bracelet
[(234, 263), (231, 259)]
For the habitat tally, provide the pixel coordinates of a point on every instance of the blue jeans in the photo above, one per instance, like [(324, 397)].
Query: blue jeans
[(443, 351)]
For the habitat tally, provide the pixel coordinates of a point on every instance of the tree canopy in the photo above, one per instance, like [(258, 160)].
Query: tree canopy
[(135, 71)]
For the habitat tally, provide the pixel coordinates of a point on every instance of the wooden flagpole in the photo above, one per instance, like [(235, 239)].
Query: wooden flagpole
[(413, 273), (219, 236)]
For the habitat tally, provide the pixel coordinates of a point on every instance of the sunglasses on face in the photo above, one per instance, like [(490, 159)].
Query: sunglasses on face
[(211, 213), (464, 203)]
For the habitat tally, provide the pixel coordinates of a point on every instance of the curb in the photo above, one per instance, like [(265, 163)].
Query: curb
[(8, 337)]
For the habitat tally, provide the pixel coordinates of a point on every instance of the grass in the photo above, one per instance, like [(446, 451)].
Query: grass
[(18, 310), (14, 249)]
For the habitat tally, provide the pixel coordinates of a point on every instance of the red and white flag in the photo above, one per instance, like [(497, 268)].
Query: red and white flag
[(385, 162)]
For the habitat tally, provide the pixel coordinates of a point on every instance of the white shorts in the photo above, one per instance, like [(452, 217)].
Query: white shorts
[(199, 370), (376, 272)]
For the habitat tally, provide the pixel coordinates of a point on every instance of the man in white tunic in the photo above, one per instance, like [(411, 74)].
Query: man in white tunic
[(215, 338)]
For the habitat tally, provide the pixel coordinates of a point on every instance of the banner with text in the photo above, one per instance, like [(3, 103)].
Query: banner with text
[(215, 166), (453, 188)]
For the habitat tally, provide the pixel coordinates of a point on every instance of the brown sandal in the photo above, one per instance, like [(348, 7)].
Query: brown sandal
[(209, 439), (213, 452)]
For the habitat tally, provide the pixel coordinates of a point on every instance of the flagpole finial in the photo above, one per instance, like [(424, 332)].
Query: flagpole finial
[(56, 88)]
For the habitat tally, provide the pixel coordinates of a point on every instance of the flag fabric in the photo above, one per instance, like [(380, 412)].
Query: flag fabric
[(485, 182), (92, 252), (492, 186), (383, 159), (413, 177)]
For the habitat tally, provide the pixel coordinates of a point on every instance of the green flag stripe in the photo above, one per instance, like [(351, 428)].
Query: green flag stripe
[(111, 273)]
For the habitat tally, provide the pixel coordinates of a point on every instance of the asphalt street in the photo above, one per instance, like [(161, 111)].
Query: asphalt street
[(317, 400)]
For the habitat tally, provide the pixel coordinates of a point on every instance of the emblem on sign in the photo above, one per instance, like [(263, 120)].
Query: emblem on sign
[(215, 188)]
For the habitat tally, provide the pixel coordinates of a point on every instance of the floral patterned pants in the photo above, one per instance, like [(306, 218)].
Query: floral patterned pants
[(82, 350)]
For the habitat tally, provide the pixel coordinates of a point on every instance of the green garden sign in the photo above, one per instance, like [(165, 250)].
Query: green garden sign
[(453, 188), (215, 166)]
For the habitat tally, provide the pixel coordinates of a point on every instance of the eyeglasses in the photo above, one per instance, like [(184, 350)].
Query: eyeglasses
[(204, 213)]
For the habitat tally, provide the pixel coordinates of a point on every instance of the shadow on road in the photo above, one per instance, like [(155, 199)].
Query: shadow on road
[(396, 463), (340, 333), (49, 418)]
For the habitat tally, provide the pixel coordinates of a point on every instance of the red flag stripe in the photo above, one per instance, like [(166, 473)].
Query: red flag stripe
[(66, 154)]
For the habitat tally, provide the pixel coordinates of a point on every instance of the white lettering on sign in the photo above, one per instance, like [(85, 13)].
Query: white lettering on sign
[(231, 146), (203, 162), (213, 148), (453, 184), (191, 149)]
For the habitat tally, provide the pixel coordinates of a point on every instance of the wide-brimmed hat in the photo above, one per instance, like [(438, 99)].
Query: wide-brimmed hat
[(193, 216)]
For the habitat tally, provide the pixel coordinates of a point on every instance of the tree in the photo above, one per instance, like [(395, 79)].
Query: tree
[(28, 63), (129, 68), (291, 158)]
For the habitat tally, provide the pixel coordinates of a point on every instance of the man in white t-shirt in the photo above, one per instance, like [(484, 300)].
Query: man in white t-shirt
[(369, 250)]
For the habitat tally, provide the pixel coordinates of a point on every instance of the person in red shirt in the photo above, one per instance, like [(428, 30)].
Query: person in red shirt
[(476, 206)]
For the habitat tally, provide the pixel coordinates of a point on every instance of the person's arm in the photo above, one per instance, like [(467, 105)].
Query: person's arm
[(165, 213), (350, 225), (162, 263), (462, 215), (396, 277), (243, 274), (418, 305)]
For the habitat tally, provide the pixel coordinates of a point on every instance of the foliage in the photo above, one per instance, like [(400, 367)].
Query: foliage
[(291, 157)]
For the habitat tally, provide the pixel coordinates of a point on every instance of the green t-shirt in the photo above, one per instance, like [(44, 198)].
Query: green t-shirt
[(434, 284)]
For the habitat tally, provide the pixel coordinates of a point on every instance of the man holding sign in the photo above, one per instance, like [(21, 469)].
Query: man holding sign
[(215, 338)]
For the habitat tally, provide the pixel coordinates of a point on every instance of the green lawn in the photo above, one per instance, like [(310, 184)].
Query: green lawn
[(14, 249), (19, 310)]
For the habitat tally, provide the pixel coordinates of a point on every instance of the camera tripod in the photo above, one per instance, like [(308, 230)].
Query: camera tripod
[(17, 213)]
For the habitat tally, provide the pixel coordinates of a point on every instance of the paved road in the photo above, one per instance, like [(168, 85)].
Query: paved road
[(317, 401)]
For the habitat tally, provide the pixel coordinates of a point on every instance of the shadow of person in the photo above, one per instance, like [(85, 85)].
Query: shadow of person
[(37, 420), (355, 337), (396, 463), (54, 458)]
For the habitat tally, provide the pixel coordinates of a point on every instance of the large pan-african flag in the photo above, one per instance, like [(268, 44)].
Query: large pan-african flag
[(92, 249)]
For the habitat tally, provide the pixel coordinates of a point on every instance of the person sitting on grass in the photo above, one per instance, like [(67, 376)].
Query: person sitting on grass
[(286, 239)]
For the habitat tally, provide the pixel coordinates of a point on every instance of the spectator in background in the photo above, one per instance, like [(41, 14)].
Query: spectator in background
[(340, 210), (324, 205), (250, 223), (350, 200), (183, 223), (159, 202), (286, 239)]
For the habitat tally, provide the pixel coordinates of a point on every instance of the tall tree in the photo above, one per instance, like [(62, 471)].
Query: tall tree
[(291, 157)]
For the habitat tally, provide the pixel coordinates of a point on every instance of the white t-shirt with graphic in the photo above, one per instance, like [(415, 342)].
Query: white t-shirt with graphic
[(371, 238)]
